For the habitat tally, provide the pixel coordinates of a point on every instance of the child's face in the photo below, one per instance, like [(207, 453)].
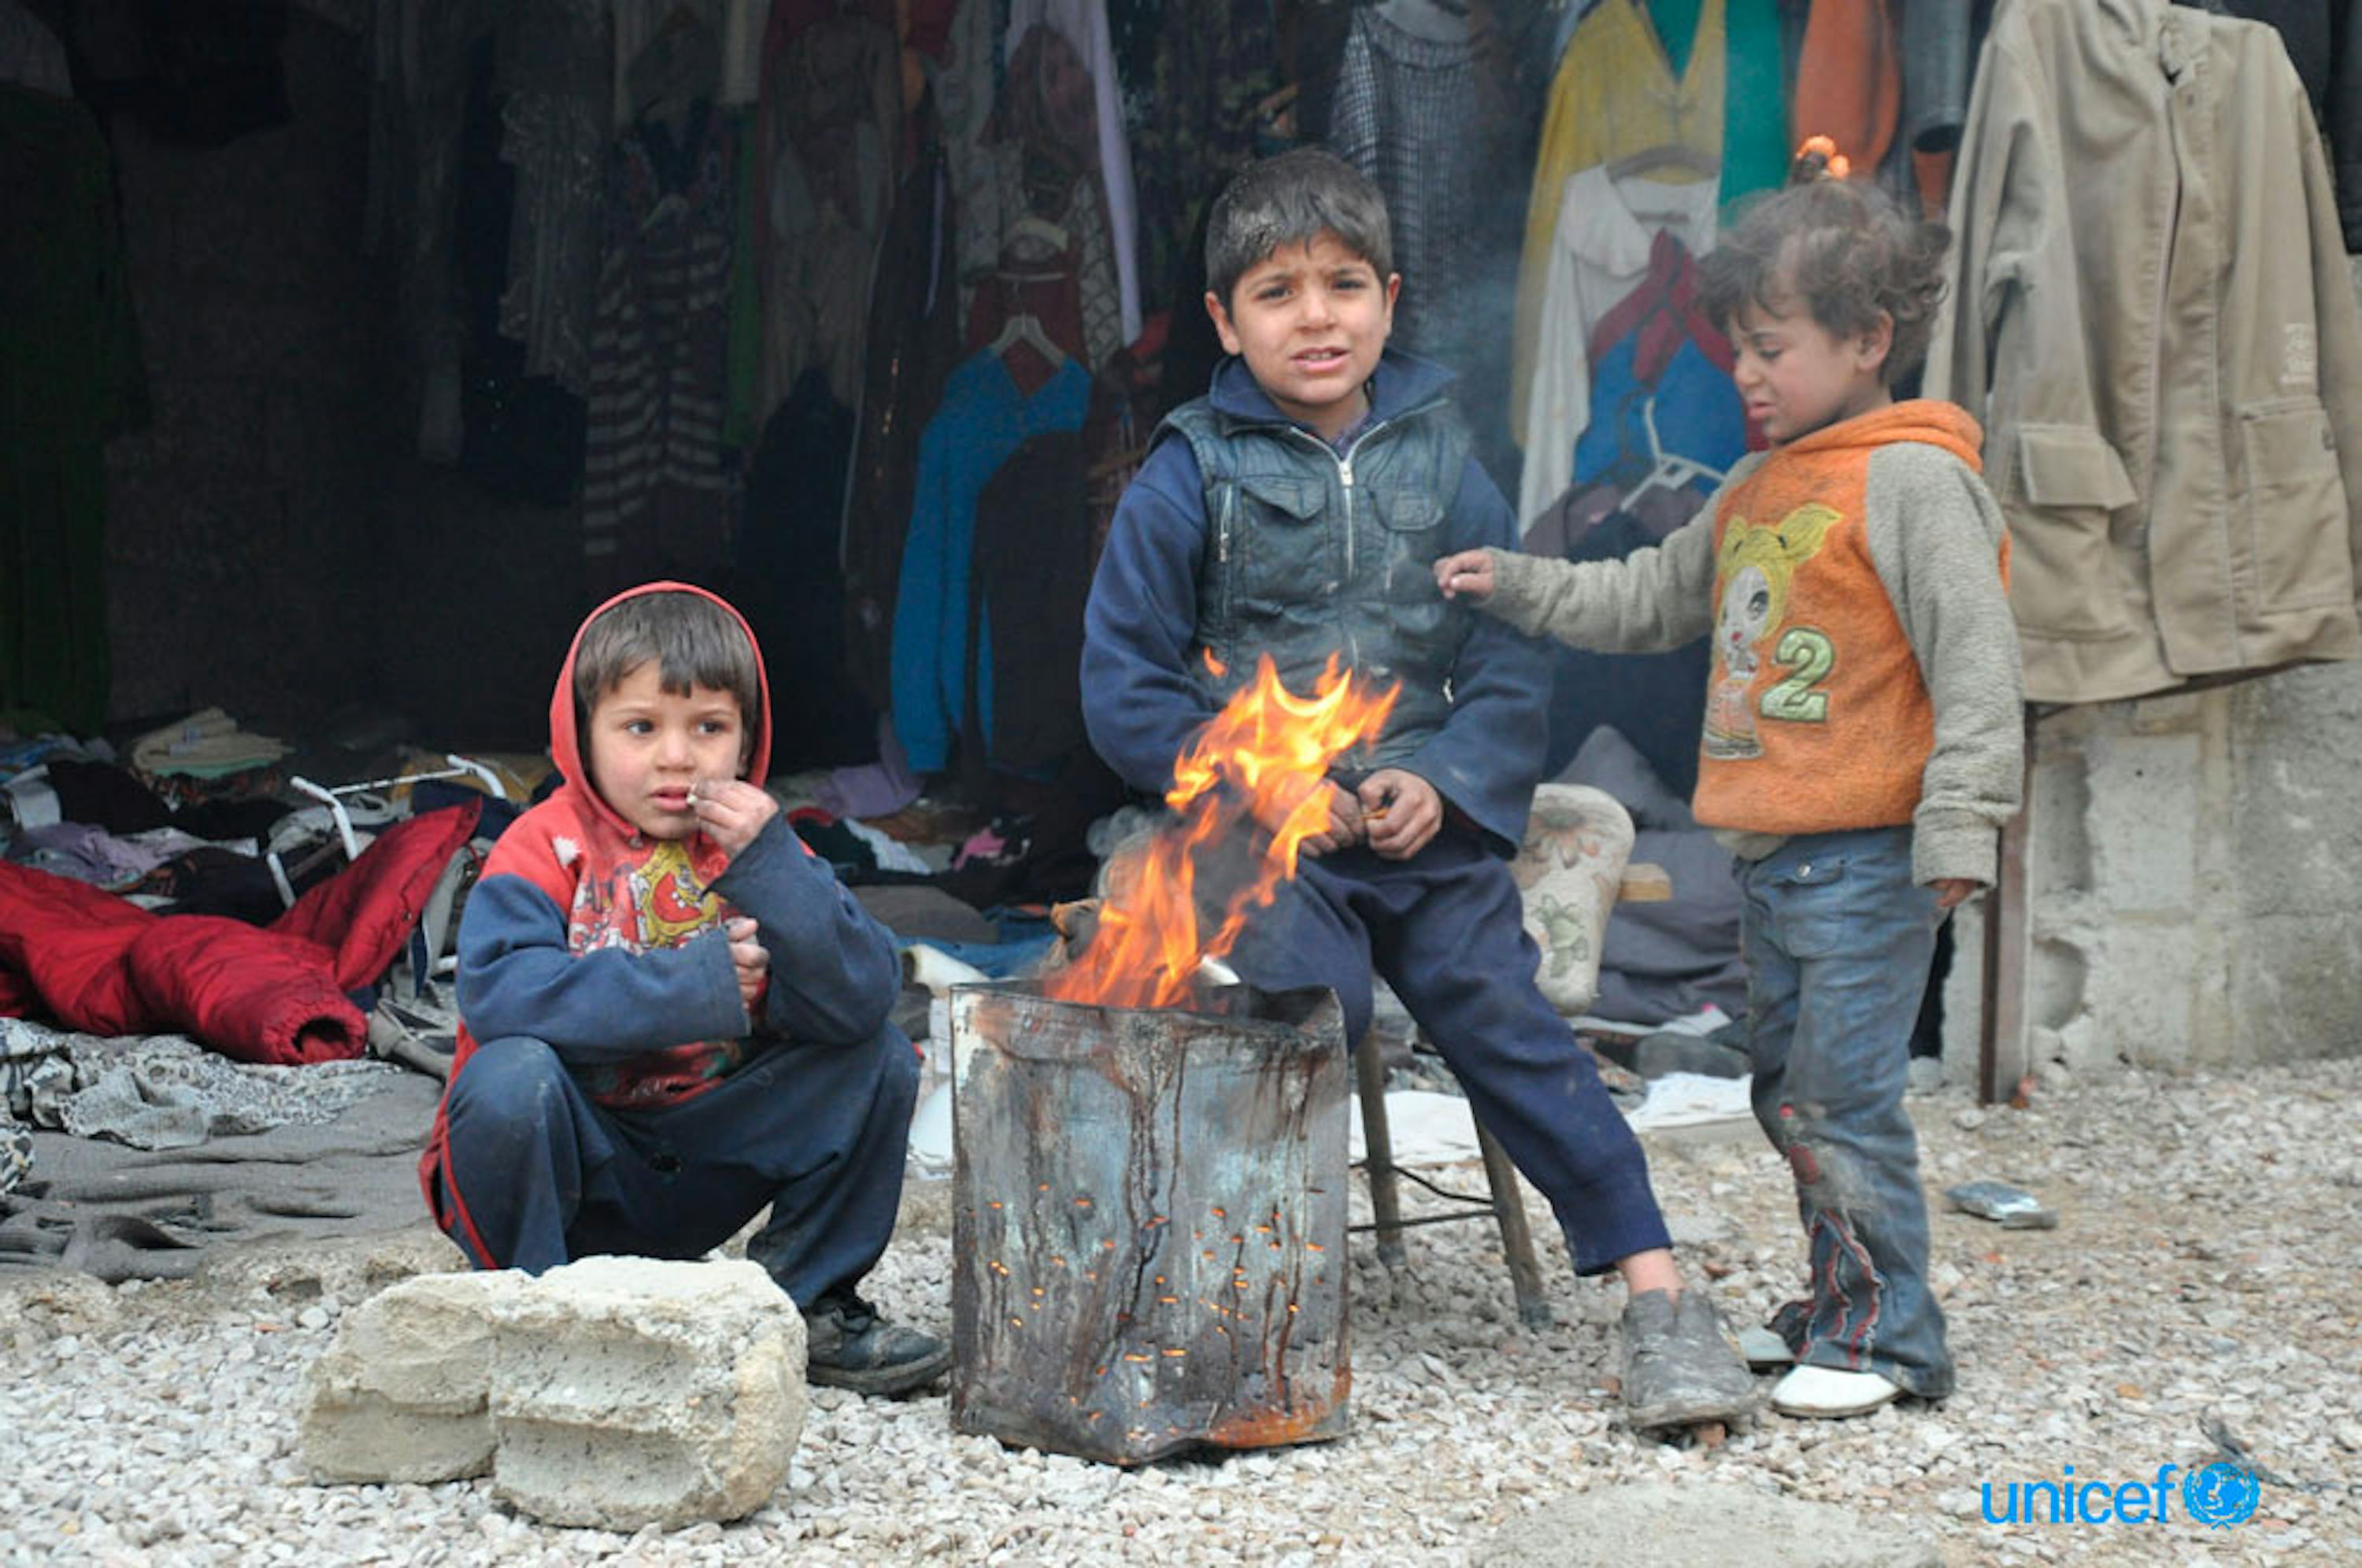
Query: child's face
[(1797, 376), (1310, 321), (648, 746)]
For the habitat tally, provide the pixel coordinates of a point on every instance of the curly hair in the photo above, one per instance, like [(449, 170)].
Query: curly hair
[(1844, 251)]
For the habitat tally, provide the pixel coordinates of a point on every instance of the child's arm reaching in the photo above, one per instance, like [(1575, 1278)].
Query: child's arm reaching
[(1652, 599)]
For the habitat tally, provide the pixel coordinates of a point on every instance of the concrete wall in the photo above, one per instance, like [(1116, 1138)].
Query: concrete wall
[(2195, 898)]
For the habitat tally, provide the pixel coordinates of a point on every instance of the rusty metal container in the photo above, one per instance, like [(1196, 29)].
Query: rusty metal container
[(1148, 1222)]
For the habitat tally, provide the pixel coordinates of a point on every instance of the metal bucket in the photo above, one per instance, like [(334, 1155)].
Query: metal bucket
[(1148, 1222)]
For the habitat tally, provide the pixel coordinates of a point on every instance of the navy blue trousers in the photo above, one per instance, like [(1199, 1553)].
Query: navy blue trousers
[(819, 1133), (1447, 931)]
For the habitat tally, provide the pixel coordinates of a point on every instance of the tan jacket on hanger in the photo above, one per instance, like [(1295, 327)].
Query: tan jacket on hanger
[(2151, 312)]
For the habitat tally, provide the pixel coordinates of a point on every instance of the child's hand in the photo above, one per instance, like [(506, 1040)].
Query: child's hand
[(1345, 828), (732, 812), (1344, 818), (1468, 575), (1952, 890), (754, 963), (1402, 810)]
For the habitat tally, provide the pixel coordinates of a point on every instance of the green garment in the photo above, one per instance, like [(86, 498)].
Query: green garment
[(1755, 106), (1676, 24), (69, 377)]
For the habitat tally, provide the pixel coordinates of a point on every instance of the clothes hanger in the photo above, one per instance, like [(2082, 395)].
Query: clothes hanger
[(1024, 327), (1668, 470), (1664, 156), (1029, 227)]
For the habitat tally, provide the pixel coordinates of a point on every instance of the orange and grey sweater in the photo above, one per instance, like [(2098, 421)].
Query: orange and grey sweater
[(1865, 669)]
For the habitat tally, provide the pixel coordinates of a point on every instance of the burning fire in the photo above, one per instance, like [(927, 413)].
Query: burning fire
[(1260, 762)]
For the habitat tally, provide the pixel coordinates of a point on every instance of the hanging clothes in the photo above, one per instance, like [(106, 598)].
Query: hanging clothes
[(1660, 391), (422, 62), (30, 54), (2324, 44), (1615, 94), (1608, 229), (1848, 80), (790, 588), (555, 131), (984, 419), (2150, 311), (913, 343), (656, 479), (964, 86), (1055, 256), (1032, 575), (825, 142), (1084, 25), (1063, 276), (70, 378), (1755, 144), (1405, 114), (1212, 63), (738, 28)]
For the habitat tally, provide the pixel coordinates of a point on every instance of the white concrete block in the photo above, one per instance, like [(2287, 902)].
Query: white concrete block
[(628, 1392), (401, 1393)]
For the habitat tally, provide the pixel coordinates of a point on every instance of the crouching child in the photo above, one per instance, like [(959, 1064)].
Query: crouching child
[(672, 1014)]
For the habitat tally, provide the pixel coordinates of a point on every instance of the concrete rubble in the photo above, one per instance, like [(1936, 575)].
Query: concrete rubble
[(614, 1393)]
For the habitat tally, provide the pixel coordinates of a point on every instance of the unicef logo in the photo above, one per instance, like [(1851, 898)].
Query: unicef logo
[(2219, 1495)]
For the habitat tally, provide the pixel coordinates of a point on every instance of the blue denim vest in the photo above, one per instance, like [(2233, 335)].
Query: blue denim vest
[(1309, 554)]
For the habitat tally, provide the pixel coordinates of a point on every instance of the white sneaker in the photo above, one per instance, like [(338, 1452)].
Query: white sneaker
[(1824, 1391)]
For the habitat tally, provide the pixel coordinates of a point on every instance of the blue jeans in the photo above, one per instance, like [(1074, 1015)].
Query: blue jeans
[(1838, 941)]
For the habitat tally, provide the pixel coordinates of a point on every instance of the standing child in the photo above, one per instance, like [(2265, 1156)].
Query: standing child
[(672, 1014), (1864, 737), (1296, 513)]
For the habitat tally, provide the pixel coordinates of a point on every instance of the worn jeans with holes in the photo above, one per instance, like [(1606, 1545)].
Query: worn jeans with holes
[(1838, 941)]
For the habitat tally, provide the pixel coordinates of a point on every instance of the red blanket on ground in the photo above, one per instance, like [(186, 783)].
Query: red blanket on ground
[(277, 994)]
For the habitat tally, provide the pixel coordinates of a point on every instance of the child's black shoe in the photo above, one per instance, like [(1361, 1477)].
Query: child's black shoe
[(848, 1345)]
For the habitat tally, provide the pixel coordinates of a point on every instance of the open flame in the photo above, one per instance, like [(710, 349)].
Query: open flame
[(1259, 762)]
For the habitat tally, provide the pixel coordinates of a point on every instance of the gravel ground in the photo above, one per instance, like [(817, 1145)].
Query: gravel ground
[(2203, 1266)]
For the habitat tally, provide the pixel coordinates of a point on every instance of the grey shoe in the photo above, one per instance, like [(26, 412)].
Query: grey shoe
[(1681, 1365), (848, 1345)]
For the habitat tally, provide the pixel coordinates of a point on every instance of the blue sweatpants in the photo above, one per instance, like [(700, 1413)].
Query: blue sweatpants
[(1447, 931), (819, 1133)]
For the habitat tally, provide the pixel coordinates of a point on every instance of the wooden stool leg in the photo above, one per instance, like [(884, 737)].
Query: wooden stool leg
[(1516, 1236), (1378, 1161)]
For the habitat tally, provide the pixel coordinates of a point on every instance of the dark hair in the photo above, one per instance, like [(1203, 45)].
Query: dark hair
[(693, 640), (1292, 199), (1842, 249)]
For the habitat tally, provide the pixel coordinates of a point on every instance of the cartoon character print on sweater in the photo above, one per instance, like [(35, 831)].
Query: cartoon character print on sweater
[(1753, 569), (660, 900)]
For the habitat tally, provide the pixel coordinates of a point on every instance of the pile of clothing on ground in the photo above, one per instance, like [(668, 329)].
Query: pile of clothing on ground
[(198, 937)]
